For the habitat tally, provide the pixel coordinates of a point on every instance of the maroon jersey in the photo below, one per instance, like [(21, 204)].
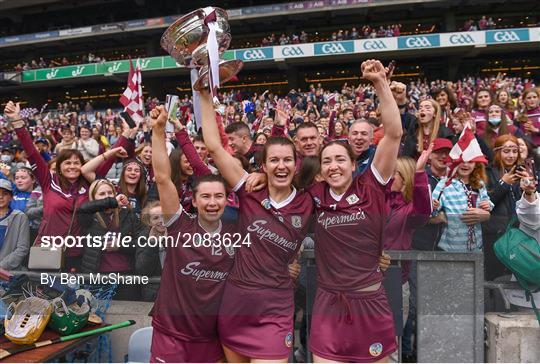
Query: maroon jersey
[(276, 231), (349, 233), (192, 282)]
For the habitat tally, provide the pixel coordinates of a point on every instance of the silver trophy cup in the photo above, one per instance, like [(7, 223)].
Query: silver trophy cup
[(185, 40)]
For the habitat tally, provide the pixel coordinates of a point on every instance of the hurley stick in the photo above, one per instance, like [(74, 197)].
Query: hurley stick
[(4, 353)]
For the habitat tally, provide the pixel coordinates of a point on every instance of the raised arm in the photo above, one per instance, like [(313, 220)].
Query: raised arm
[(199, 167), (168, 196), (125, 142), (385, 157), (231, 171), (39, 166), (89, 169)]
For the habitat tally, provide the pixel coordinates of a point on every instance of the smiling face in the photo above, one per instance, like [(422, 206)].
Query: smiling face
[(509, 153), (483, 99), (308, 141), (85, 134), (185, 167), (360, 137), (132, 174), (146, 155), (337, 167), (523, 151), (210, 201), (24, 180), (156, 216), (279, 166), (442, 98), (465, 169), (71, 168), (503, 97)]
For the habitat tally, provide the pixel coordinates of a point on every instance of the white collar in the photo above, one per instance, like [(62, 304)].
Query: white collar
[(278, 205), (212, 233), (335, 196)]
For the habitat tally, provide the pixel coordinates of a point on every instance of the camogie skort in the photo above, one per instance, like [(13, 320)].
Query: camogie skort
[(352, 326), (257, 323), (169, 349)]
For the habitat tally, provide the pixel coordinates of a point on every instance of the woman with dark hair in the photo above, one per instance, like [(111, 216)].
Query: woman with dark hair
[(530, 117), (104, 213), (497, 125), (260, 138), (482, 100), (63, 191), (447, 101), (352, 320), (256, 326)]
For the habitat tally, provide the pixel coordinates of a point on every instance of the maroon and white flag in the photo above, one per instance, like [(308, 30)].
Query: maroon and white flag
[(132, 98), (466, 149)]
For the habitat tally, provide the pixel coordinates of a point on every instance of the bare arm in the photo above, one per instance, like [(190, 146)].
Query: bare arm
[(231, 171), (88, 170), (168, 196), (387, 151)]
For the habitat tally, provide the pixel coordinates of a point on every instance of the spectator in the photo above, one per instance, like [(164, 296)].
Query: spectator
[(14, 231), (88, 146), (463, 204)]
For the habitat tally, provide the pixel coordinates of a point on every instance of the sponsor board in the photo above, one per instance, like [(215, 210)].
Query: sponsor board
[(293, 51), (255, 54), (462, 39), (507, 36), (419, 41), (375, 45), (75, 31), (328, 48)]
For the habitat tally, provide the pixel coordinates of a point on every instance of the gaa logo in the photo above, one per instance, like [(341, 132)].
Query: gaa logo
[(332, 48), (506, 36), (254, 54), (373, 45), (461, 39), (376, 349), (289, 340), (418, 42), (292, 51)]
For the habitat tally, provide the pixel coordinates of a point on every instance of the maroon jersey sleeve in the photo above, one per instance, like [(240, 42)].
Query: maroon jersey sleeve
[(199, 168)]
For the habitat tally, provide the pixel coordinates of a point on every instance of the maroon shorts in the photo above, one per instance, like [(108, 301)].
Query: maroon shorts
[(169, 349), (257, 323), (352, 326)]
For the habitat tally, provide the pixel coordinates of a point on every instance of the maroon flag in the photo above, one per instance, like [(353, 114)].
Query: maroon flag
[(132, 98)]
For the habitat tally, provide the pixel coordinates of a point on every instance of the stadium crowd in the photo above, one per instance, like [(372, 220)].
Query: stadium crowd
[(355, 32), (76, 171)]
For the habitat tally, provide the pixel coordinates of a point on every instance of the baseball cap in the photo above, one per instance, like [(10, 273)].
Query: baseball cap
[(441, 143), (6, 185), (42, 140)]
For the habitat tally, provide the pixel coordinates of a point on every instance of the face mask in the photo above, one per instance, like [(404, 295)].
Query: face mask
[(494, 121), (6, 158)]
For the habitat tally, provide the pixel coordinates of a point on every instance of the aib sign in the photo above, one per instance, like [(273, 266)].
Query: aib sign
[(419, 41), (507, 36), (334, 48), (255, 54)]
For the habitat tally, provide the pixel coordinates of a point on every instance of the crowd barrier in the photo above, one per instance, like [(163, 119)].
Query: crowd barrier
[(449, 308)]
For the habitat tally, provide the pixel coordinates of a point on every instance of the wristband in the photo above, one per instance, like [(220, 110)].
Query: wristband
[(104, 158)]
